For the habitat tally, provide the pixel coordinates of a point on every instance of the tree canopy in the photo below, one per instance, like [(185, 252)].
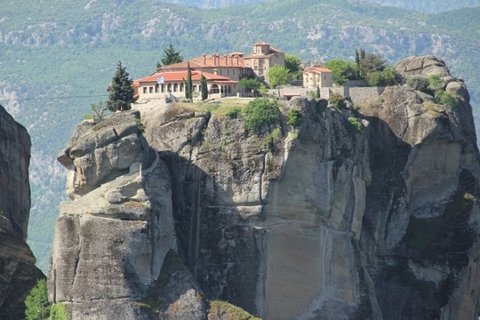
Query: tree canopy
[(293, 64), (369, 62), (170, 56), (342, 70), (36, 303), (120, 95), (278, 76), (253, 85)]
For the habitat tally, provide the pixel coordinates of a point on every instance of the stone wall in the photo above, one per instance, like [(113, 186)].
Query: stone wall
[(365, 95)]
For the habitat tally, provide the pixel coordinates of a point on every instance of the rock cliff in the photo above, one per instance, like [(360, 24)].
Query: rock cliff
[(362, 212), (18, 273)]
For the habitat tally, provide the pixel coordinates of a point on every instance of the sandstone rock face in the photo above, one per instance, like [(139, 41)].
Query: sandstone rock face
[(273, 231), (112, 238), (18, 273), (353, 214)]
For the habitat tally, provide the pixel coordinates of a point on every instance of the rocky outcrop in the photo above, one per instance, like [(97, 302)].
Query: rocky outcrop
[(353, 213), (18, 273), (113, 236)]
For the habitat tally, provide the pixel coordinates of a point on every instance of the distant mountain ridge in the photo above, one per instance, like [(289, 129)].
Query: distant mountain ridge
[(211, 3), (429, 6), (54, 66)]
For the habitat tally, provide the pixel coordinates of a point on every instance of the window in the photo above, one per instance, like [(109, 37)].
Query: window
[(144, 89), (233, 72), (156, 88), (163, 87), (181, 87), (175, 87), (150, 89), (194, 88)]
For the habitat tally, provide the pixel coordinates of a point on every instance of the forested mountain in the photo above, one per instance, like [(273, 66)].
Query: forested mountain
[(59, 57), (211, 3), (430, 6)]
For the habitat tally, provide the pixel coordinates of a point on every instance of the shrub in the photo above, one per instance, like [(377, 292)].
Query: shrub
[(260, 113), (445, 98), (336, 100), (383, 78), (294, 117), (418, 83), (58, 312), (435, 83), (233, 113), (313, 94), (272, 139), (355, 124), (36, 302)]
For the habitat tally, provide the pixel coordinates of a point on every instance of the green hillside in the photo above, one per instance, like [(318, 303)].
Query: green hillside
[(57, 57), (428, 6)]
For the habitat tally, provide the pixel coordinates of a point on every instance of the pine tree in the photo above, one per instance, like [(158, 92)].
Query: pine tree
[(204, 87), (170, 56), (120, 91), (36, 303), (189, 84)]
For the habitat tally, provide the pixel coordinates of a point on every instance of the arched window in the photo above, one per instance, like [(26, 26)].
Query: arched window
[(181, 87), (169, 87), (175, 87)]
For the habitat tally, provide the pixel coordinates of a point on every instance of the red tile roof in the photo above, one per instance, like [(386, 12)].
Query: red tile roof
[(233, 60), (178, 76), (318, 70)]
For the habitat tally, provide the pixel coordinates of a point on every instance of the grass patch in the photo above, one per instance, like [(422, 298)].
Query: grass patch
[(222, 107), (432, 107), (220, 310)]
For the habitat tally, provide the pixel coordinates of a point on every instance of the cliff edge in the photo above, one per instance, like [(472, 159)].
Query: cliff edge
[(18, 273), (335, 212)]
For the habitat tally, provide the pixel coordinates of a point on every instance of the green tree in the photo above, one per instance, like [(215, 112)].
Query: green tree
[(252, 85), (293, 64), (371, 62), (120, 95), (384, 78), (170, 56), (36, 303), (342, 70), (260, 113), (204, 87), (99, 109), (188, 84), (278, 76)]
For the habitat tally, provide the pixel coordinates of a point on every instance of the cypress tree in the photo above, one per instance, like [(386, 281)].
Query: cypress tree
[(204, 87), (189, 84), (120, 94)]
